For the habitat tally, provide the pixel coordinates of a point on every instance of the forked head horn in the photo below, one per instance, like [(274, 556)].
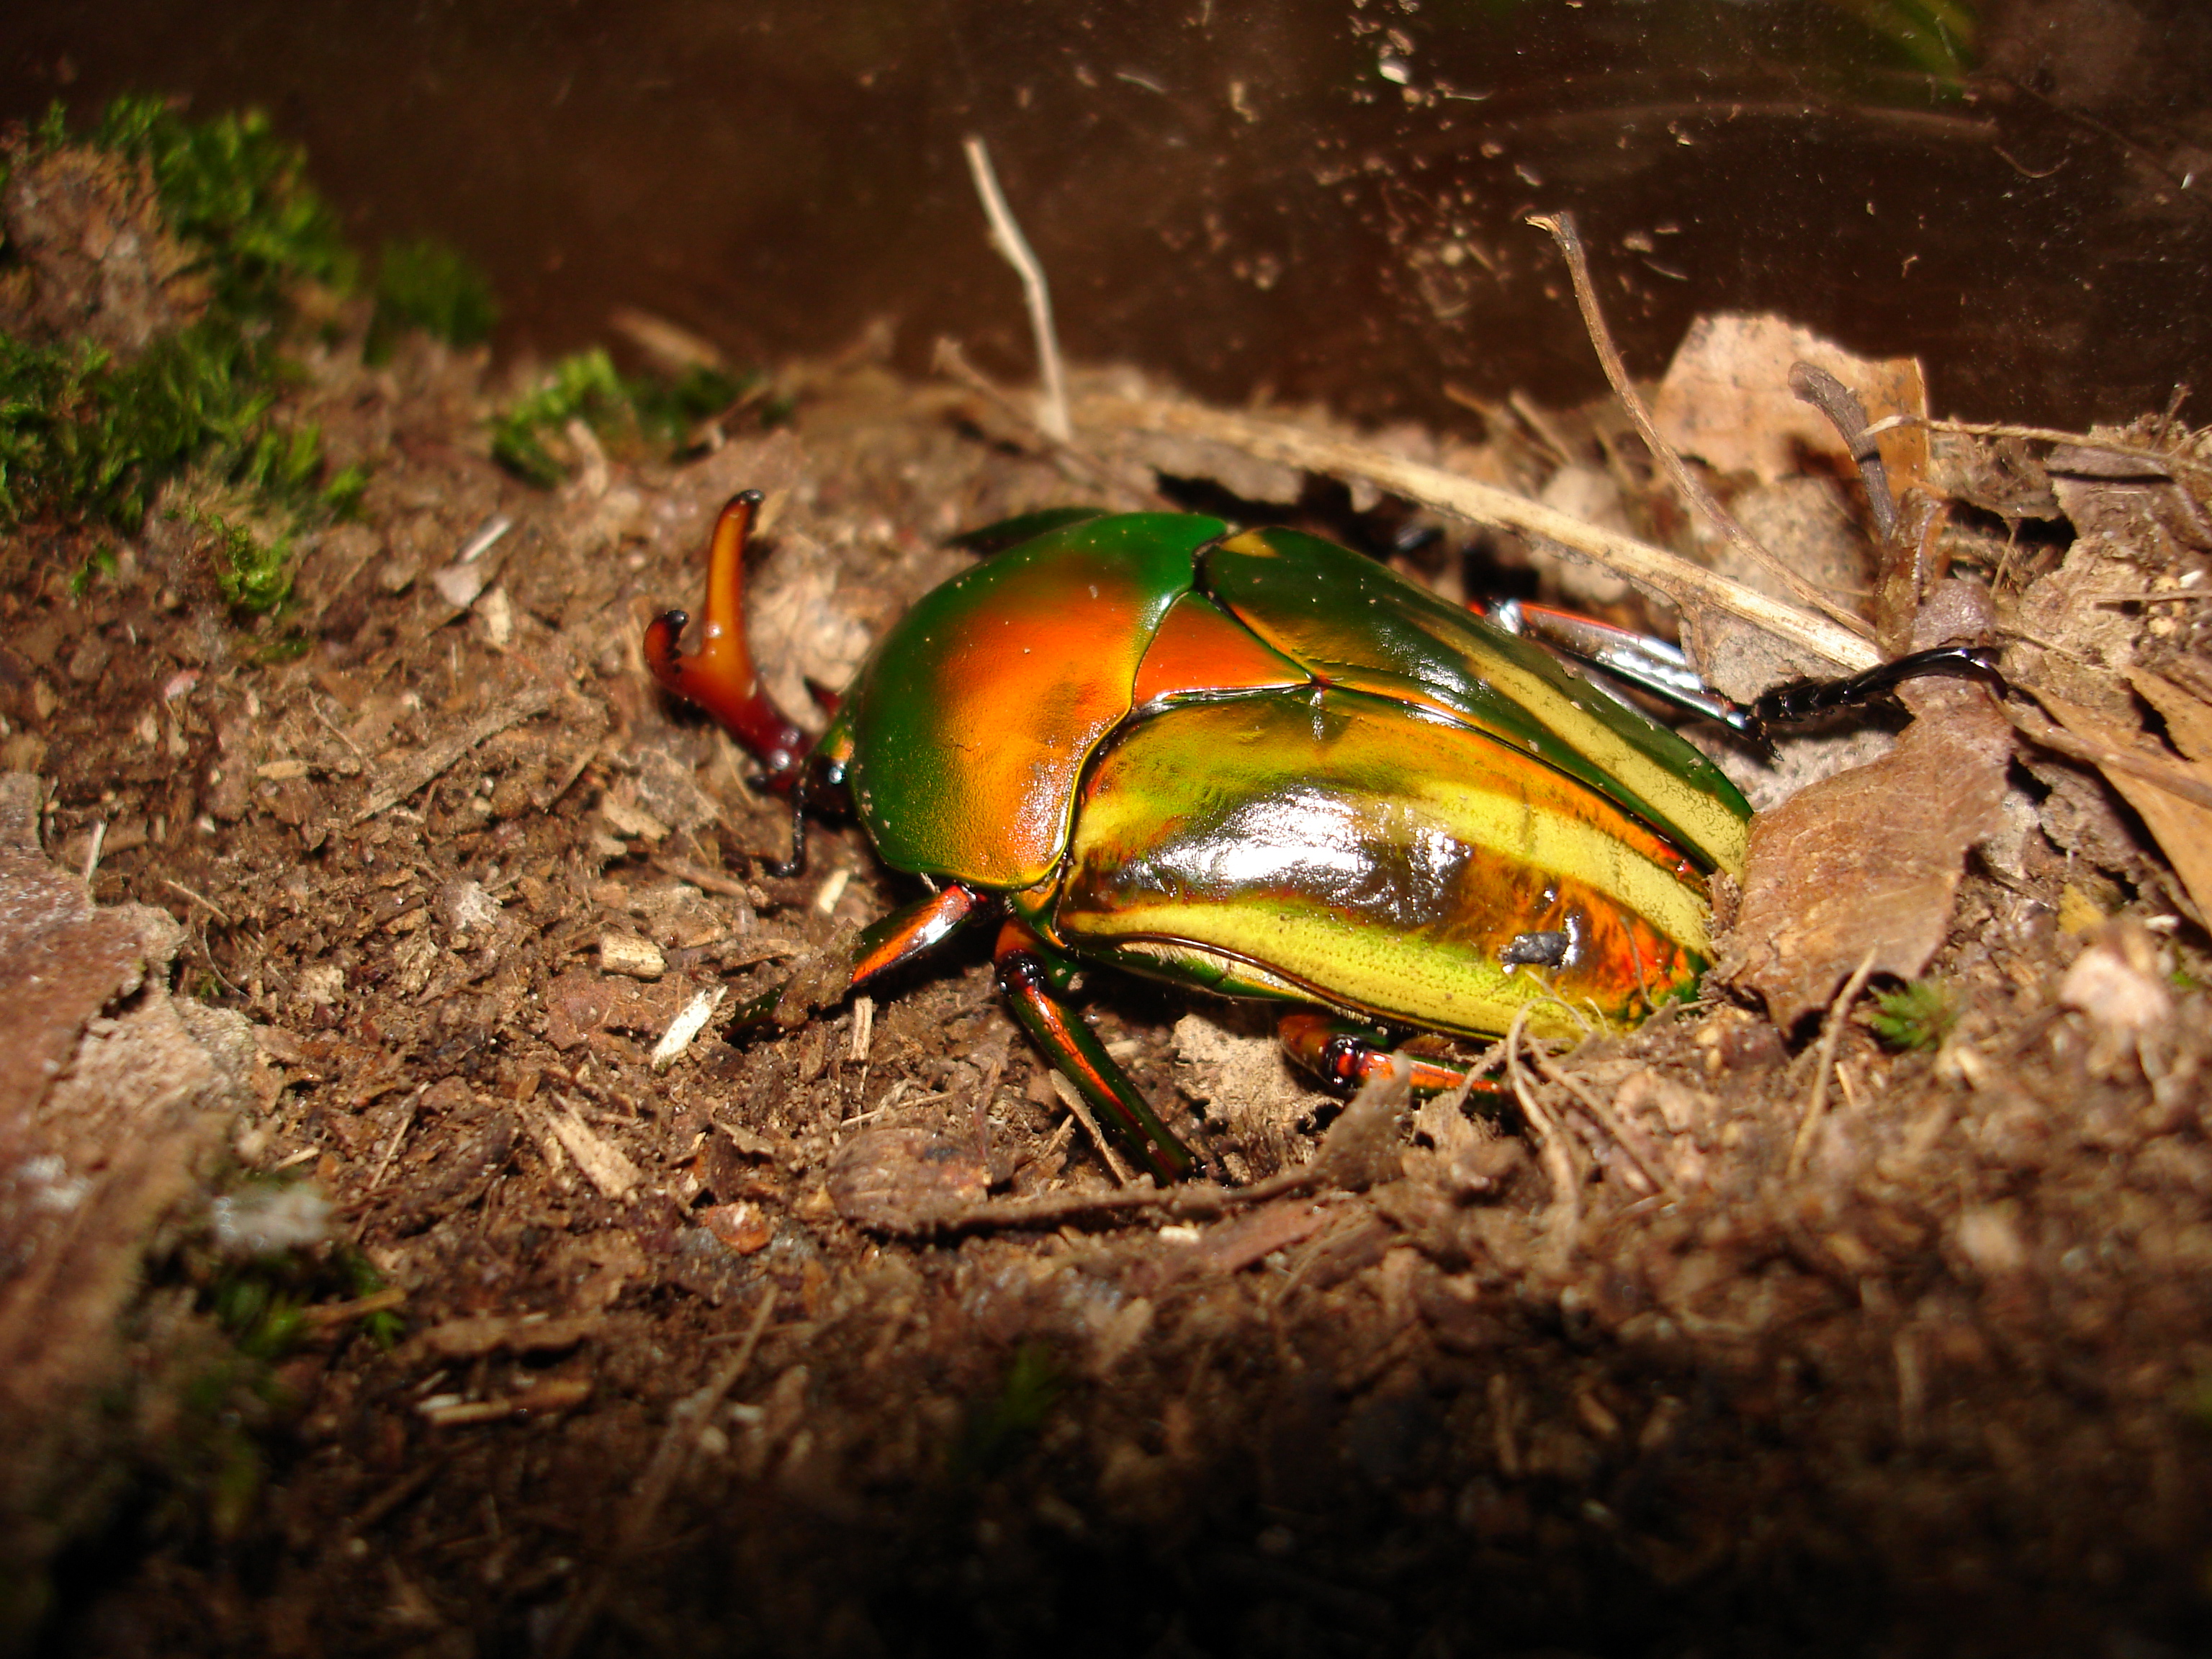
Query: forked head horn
[(719, 675)]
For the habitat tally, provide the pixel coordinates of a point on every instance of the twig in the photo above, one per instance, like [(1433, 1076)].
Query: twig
[(429, 762), (1071, 1097), (949, 361), (1681, 583), (706, 880), (399, 1134), (590, 753), (1605, 1118), (1345, 1161), (1007, 237), (1562, 229), (333, 727), (1832, 1034), (1551, 1146), (677, 1442), (983, 1097), (200, 899), (2045, 434), (325, 1315)]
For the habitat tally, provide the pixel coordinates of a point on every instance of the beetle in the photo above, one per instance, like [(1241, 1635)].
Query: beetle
[(1256, 763)]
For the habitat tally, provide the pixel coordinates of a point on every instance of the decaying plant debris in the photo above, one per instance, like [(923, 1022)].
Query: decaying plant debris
[(1772, 1324)]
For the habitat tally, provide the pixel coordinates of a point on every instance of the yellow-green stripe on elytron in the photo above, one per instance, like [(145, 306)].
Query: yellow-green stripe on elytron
[(1715, 827), (1378, 856), (1353, 622)]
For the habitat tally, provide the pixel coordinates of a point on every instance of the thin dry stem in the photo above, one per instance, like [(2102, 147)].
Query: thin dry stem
[(1566, 1208), (1071, 1097), (1604, 1116), (1824, 1064), (2047, 434), (1562, 229), (1013, 247)]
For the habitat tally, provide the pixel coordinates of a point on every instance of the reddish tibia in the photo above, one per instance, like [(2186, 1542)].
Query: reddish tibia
[(1076, 1051), (913, 931), (719, 675)]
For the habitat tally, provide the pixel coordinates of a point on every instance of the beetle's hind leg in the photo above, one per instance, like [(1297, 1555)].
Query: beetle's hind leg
[(1034, 977), (1346, 1054)]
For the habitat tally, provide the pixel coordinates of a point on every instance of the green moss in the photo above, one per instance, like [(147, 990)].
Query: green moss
[(628, 414), (432, 287), (233, 186), (1001, 1428), (87, 437), (1916, 1015)]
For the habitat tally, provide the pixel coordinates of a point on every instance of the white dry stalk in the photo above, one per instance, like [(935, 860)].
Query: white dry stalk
[(485, 539), (1013, 247)]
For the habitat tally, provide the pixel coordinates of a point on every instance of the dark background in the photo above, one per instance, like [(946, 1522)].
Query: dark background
[(1242, 196)]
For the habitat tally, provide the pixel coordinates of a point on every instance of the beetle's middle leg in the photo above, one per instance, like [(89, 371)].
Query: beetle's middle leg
[(1034, 976), (1346, 1054)]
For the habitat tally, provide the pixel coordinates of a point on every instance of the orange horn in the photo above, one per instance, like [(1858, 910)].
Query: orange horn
[(719, 675)]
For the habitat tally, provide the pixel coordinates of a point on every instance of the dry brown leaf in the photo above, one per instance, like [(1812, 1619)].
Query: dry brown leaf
[(1726, 399), (1868, 860), (2183, 827), (2188, 717)]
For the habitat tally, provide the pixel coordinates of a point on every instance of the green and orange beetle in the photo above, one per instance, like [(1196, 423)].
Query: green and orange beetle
[(1255, 763)]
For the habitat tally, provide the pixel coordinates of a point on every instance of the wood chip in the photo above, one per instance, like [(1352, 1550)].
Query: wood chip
[(686, 1025), (626, 953), (483, 1333), (601, 1161)]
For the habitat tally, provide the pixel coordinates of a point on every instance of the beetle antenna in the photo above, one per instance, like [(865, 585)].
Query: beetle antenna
[(719, 675)]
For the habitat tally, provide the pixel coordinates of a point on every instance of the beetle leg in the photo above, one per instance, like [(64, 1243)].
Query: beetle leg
[(911, 930), (1033, 978), (797, 860), (1345, 1054)]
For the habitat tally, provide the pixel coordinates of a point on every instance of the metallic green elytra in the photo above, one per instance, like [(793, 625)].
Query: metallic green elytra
[(1257, 763)]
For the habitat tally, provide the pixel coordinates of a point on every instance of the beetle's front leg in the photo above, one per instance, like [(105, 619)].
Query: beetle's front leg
[(1346, 1054), (1034, 976), (911, 930)]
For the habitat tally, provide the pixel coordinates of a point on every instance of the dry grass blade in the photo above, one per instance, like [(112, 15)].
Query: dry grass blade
[(1007, 237)]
